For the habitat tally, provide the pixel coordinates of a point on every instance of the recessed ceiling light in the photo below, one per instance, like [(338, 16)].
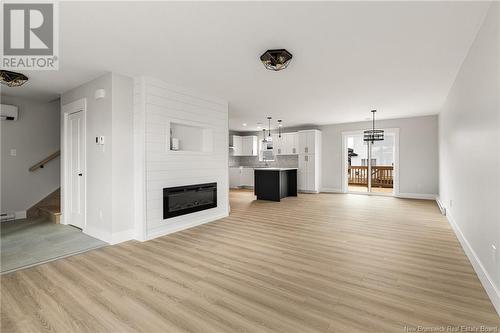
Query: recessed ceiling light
[(244, 124)]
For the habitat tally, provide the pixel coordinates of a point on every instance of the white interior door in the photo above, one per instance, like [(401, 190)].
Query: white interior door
[(76, 158)]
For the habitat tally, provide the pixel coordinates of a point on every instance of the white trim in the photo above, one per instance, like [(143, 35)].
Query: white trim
[(122, 236), (486, 280), (175, 227), (442, 207), (20, 215), (331, 190), (422, 196), (140, 194), (79, 105)]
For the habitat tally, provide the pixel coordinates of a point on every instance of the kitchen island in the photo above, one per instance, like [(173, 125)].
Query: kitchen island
[(275, 183)]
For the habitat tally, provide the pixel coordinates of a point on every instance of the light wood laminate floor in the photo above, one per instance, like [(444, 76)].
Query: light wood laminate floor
[(315, 263)]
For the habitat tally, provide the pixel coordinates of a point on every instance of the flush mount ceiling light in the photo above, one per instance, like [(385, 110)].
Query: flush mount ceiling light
[(12, 79), (373, 134), (276, 60)]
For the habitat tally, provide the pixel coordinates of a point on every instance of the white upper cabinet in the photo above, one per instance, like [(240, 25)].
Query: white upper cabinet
[(245, 145), (237, 145), (308, 141), (286, 145)]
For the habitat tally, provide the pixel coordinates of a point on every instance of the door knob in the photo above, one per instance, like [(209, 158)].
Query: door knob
[(80, 174)]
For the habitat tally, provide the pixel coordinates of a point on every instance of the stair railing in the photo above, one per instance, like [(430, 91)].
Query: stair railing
[(46, 160)]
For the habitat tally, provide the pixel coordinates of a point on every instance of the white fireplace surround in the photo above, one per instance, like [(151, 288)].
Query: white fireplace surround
[(157, 107)]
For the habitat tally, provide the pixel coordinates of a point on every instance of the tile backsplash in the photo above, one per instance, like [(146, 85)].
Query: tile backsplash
[(281, 161)]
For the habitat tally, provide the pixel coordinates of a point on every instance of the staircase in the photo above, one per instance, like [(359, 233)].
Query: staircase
[(49, 207)]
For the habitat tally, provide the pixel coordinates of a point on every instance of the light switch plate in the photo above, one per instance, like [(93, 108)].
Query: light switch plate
[(13, 152)]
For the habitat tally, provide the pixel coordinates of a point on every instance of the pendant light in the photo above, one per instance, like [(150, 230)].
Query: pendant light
[(269, 121), (280, 125), (373, 134)]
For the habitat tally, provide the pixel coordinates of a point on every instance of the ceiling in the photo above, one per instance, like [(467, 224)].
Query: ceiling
[(348, 57)]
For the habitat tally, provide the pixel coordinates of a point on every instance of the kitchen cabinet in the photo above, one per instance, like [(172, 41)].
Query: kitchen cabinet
[(286, 145), (245, 145), (308, 141), (237, 145), (309, 173), (234, 177), (247, 178), (239, 177)]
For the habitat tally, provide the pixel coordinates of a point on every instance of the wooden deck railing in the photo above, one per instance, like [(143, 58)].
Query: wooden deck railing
[(382, 176)]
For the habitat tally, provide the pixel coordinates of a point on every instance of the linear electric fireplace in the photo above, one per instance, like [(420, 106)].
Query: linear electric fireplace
[(182, 200)]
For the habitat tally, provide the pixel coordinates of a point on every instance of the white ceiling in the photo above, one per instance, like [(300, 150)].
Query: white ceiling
[(398, 57)]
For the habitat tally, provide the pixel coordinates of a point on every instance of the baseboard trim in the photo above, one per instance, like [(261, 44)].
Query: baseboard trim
[(169, 229), (441, 206), (487, 282), (331, 190), (122, 236), (20, 215), (422, 196)]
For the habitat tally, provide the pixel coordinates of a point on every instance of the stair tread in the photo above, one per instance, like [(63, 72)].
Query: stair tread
[(56, 210)]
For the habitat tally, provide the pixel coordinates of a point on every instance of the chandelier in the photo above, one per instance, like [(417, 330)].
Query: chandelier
[(373, 134)]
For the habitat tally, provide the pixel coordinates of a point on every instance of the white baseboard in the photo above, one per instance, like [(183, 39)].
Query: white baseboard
[(175, 227), (487, 282), (441, 206), (331, 190), (20, 215), (122, 236), (423, 196)]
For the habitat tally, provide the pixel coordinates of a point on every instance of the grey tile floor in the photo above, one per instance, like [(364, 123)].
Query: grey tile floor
[(31, 241)]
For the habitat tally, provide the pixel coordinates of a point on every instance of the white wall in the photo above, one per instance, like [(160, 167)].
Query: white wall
[(109, 173), (469, 141), (418, 154), (157, 104), (35, 135)]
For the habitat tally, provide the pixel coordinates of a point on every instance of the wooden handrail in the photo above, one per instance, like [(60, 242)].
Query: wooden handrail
[(46, 160)]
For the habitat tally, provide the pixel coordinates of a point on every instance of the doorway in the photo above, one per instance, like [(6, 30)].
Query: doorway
[(371, 168)]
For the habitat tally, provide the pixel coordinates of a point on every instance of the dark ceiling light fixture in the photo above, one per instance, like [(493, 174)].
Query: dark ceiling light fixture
[(269, 121), (276, 60), (280, 125), (12, 79), (373, 134)]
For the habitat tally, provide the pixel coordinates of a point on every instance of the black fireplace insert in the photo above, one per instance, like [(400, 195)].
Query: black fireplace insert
[(182, 200)]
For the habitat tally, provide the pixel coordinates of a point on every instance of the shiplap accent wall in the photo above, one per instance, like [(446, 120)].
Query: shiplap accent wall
[(156, 104)]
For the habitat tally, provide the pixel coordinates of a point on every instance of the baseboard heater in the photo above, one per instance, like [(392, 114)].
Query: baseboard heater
[(181, 200)]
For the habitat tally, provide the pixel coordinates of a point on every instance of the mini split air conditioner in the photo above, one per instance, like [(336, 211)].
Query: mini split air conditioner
[(8, 112)]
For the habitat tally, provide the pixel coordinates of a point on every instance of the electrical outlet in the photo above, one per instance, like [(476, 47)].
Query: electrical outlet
[(451, 203), (100, 214)]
